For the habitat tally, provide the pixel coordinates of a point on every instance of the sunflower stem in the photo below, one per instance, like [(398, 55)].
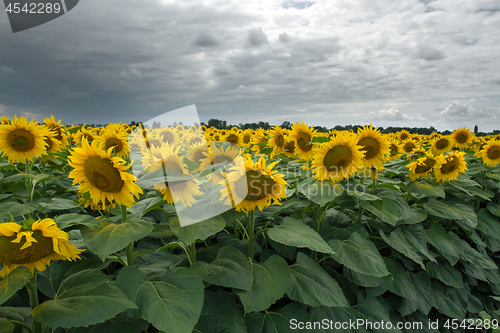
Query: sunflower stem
[(23, 325), (33, 294), (130, 254), (251, 236), (478, 202), (124, 213)]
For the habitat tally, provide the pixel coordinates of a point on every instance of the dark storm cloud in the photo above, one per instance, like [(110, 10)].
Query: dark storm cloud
[(118, 60)]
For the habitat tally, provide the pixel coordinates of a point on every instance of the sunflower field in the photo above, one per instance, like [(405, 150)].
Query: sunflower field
[(194, 229)]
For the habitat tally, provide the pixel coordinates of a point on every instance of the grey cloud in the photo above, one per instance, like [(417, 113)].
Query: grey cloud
[(221, 72), (206, 39), (256, 37), (464, 110), (297, 5), (428, 53), (284, 38)]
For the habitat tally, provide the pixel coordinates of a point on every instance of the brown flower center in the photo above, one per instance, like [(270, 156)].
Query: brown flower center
[(114, 142), (21, 140), (101, 173), (409, 146), (258, 184), (370, 146), (442, 144), (11, 252), (337, 158), (493, 153), (450, 166), (303, 140), (462, 138), (233, 138), (428, 164)]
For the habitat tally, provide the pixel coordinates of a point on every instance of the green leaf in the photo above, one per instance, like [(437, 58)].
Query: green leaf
[(464, 215), (311, 285), (320, 192), (494, 209), (84, 298), (446, 274), (320, 139), (363, 280), (112, 237), (144, 206), (201, 230), (60, 204), (336, 315), (384, 209), (449, 301), (360, 255), (277, 322), (220, 314), (121, 323), (295, 233), (441, 240), (398, 242), (418, 215), (488, 224), (172, 304), (230, 269), (270, 282), (13, 282), (473, 256), (6, 326), (68, 220), (425, 189)]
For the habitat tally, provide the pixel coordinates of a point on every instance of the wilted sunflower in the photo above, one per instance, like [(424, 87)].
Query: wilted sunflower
[(372, 172), (33, 245), (462, 137), (375, 146), (254, 185), (58, 129), (441, 144), (450, 166), (103, 176), (422, 167), (21, 141), (302, 135), (490, 153), (118, 141), (337, 159)]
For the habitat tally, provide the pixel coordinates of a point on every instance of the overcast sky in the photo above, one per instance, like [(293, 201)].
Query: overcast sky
[(389, 63)]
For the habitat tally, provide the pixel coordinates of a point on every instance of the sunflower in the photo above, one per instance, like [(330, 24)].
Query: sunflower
[(462, 137), (198, 152), (21, 141), (375, 146), (254, 185), (409, 145), (372, 172), (259, 137), (441, 144), (450, 166), (246, 138), (174, 190), (395, 150), (53, 145), (302, 135), (84, 133), (59, 129), (422, 167), (4, 120), (490, 153), (416, 154), (103, 176), (33, 245), (403, 135), (276, 140), (233, 136), (337, 159), (85, 200), (289, 147), (169, 135), (219, 153), (118, 141)]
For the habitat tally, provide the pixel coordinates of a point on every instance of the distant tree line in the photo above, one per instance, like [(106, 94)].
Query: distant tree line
[(222, 124)]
